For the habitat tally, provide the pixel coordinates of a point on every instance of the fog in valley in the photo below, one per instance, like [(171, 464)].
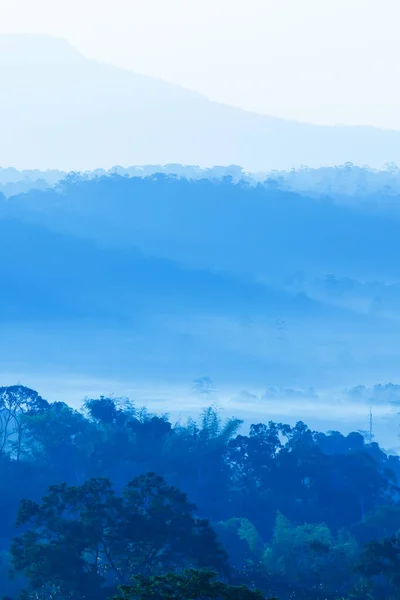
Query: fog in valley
[(199, 339)]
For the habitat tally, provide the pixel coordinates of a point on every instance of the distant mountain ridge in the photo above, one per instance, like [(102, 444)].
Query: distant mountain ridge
[(257, 231), (166, 277), (62, 110), (359, 187), (74, 278)]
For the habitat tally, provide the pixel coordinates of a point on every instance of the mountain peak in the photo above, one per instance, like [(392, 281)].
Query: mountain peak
[(63, 110), (41, 49)]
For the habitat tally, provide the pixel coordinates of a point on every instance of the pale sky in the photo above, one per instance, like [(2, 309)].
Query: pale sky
[(322, 61)]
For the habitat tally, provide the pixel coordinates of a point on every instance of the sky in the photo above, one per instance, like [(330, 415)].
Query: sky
[(319, 61)]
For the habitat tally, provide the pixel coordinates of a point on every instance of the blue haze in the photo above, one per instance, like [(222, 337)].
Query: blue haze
[(59, 110), (268, 281)]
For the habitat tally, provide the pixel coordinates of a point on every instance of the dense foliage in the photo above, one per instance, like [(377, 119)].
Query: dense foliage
[(347, 182), (191, 585), (113, 496)]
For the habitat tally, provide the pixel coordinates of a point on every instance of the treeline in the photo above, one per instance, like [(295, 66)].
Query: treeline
[(14, 182), (111, 495), (258, 230), (349, 183)]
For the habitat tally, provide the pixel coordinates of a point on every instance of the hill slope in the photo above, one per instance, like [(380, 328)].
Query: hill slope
[(263, 233), (61, 110), (131, 277)]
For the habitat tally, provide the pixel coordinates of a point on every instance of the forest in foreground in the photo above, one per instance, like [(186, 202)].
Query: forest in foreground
[(111, 501)]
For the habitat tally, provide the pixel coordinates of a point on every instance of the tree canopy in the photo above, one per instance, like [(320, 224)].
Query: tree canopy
[(112, 495)]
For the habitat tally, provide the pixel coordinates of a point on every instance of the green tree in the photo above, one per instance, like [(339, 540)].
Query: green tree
[(190, 585), (198, 456), (85, 540), (242, 541), (380, 561), (58, 432), (383, 522), (311, 558), (16, 402)]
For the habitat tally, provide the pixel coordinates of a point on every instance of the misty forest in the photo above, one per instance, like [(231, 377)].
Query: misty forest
[(268, 307), (199, 358)]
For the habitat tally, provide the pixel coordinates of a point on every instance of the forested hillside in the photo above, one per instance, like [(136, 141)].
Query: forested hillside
[(199, 300), (91, 498), (171, 280), (262, 285)]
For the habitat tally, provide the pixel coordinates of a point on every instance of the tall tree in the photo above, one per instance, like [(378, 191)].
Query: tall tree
[(86, 539), (16, 402)]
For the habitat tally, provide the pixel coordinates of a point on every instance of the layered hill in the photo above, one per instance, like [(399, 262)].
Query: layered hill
[(156, 277), (59, 109)]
